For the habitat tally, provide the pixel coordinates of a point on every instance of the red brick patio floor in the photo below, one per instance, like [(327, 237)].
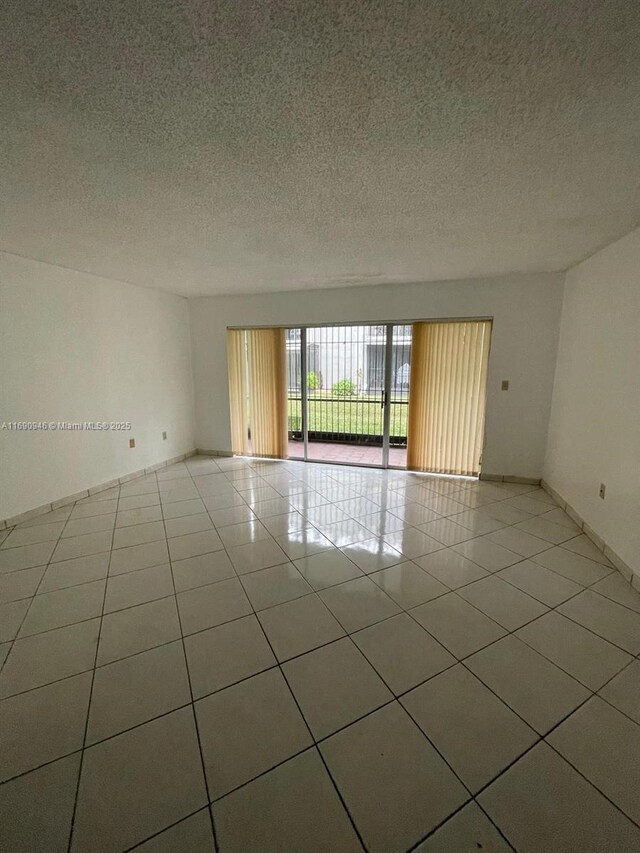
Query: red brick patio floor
[(351, 454)]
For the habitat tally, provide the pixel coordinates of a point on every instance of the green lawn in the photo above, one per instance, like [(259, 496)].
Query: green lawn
[(356, 415)]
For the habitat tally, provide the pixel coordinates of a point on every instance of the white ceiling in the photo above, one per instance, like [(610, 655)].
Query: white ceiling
[(261, 145)]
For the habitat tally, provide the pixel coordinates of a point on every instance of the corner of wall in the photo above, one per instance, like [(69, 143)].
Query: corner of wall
[(555, 376), (592, 435)]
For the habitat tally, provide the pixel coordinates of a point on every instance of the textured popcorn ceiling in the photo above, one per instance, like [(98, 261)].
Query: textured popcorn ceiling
[(244, 146)]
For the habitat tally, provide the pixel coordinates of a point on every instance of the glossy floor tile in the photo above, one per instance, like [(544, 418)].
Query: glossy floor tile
[(394, 783), (247, 729), (403, 654), (475, 731), (129, 784), (542, 803), (316, 659), (539, 691), (293, 807), (604, 745), (334, 686)]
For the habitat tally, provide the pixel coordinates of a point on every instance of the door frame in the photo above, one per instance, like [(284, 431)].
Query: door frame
[(385, 401)]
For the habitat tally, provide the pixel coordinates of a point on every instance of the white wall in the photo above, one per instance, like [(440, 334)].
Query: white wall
[(526, 313), (594, 430), (82, 348)]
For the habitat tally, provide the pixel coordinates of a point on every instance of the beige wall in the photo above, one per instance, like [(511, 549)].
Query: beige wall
[(594, 430), (526, 313), (81, 348)]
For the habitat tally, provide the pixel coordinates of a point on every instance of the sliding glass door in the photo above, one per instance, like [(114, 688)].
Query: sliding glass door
[(345, 394), (384, 395), (399, 385), (348, 393)]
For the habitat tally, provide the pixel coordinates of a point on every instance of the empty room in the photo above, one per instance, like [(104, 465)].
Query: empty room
[(320, 426)]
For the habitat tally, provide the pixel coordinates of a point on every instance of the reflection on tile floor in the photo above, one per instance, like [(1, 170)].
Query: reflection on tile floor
[(291, 657)]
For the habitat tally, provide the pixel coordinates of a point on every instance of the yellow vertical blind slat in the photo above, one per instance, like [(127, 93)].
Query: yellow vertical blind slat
[(258, 391), (267, 371), (236, 359), (447, 396)]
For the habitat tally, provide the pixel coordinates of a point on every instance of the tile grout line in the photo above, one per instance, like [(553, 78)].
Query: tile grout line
[(609, 703), (192, 703), (139, 844), (90, 697), (587, 780), (453, 814)]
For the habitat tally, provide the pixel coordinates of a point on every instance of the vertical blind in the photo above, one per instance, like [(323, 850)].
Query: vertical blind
[(447, 396), (258, 391), (238, 391)]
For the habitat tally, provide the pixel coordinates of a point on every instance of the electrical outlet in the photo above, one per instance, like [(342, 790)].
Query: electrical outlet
[(164, 436), (132, 442), (603, 489), (505, 385)]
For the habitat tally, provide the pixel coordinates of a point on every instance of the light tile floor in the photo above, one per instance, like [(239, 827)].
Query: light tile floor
[(273, 656)]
